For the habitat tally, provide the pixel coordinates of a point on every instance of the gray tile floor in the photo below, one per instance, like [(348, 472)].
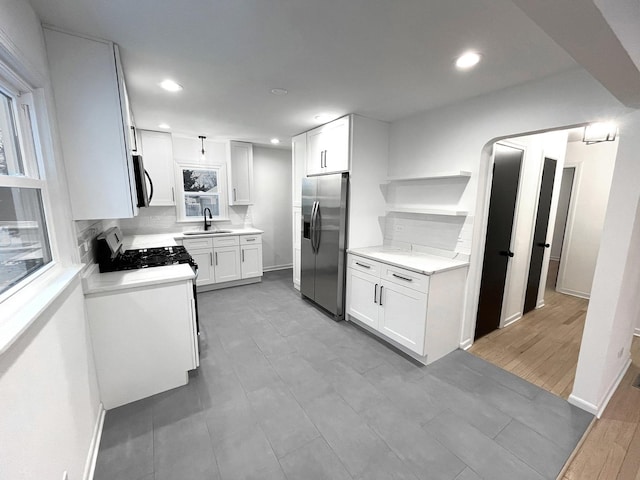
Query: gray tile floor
[(284, 392)]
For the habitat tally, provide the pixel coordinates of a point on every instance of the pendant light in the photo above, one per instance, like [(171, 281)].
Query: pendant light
[(202, 138)]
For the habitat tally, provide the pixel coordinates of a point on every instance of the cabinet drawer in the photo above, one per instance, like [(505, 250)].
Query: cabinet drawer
[(364, 265), (191, 243), (225, 241), (406, 278), (250, 239)]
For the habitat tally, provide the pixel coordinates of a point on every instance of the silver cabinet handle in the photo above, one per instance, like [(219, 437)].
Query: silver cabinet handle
[(243, 255), (173, 195), (216, 258), (375, 294), (403, 278), (211, 258), (325, 158), (234, 195), (250, 240), (363, 265), (380, 301)]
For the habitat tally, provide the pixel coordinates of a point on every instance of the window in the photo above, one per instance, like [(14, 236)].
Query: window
[(24, 239), (201, 188)]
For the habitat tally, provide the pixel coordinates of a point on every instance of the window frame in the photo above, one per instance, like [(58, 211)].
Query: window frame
[(222, 192), (25, 117)]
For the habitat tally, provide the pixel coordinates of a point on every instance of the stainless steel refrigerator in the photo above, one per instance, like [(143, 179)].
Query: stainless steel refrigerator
[(324, 234)]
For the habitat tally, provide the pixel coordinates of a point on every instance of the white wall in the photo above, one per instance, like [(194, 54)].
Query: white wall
[(271, 212), (456, 137), (48, 391), (562, 213), (536, 148), (49, 395), (594, 169)]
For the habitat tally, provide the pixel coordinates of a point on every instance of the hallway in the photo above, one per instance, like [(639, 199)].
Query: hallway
[(542, 347)]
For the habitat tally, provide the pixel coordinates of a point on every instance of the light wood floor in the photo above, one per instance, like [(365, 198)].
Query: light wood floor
[(543, 348), (612, 447)]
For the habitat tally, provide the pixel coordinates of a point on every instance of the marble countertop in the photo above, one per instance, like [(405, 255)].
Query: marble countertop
[(416, 262), (96, 282)]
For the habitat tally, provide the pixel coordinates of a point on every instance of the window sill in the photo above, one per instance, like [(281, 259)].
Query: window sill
[(25, 306)]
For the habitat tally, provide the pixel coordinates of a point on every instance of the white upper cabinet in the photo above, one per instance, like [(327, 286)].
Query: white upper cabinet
[(94, 124), (157, 154), (240, 173), (328, 148)]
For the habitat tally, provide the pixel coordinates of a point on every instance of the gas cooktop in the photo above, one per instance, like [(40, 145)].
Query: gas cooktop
[(148, 257)]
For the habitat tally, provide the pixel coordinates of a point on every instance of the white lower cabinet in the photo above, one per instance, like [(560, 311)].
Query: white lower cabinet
[(421, 314), (251, 260), (144, 340), (226, 260), (226, 264)]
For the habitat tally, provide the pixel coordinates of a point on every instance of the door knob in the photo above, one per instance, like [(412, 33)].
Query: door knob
[(545, 245), (506, 253)]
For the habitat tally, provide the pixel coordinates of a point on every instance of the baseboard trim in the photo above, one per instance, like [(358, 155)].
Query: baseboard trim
[(599, 409), (92, 457), (234, 283), (466, 344), (277, 267), (636, 332), (512, 319), (583, 404), (574, 293)]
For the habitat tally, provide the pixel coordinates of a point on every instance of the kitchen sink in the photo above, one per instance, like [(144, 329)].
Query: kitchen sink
[(206, 232)]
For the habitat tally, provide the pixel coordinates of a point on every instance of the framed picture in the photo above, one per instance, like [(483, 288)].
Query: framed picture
[(201, 188)]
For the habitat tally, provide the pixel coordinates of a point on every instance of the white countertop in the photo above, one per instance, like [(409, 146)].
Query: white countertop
[(414, 261), (96, 282), (228, 232)]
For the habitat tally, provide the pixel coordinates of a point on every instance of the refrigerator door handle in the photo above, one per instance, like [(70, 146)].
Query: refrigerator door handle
[(313, 227), (317, 229)]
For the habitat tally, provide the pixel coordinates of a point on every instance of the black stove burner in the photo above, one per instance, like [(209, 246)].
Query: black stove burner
[(148, 257)]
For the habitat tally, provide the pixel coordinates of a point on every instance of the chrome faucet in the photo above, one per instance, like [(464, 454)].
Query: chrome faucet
[(207, 224)]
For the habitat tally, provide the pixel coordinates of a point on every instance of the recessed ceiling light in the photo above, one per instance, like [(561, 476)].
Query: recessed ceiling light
[(279, 91), (170, 86), (468, 60), (164, 126), (275, 141), (323, 117)]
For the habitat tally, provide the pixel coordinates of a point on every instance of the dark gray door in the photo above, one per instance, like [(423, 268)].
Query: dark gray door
[(504, 191), (307, 255), (540, 235), (330, 237)]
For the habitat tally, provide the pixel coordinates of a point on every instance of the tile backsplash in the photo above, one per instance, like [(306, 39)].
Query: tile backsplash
[(86, 233)]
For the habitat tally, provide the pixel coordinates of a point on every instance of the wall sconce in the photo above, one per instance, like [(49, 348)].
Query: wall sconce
[(600, 132), (202, 138)]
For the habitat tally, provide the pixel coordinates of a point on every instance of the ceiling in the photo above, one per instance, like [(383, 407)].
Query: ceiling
[(379, 58)]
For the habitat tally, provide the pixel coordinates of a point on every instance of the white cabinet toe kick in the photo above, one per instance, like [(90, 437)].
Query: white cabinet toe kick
[(417, 313)]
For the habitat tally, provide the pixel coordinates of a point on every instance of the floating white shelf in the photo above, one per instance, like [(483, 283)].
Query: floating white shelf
[(427, 210), (436, 176)]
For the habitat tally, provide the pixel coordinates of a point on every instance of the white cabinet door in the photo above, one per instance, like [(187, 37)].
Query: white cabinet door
[(363, 293), (240, 173), (204, 258), (251, 260), (296, 268), (336, 155), (328, 148), (299, 156), (315, 151), (89, 93), (157, 153), (403, 313), (226, 264)]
